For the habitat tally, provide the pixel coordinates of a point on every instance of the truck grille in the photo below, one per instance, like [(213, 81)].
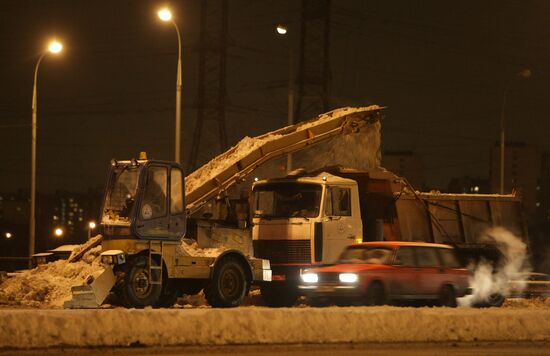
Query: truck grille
[(283, 251)]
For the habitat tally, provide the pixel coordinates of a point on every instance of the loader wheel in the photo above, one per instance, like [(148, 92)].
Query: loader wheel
[(375, 294), (447, 297), (137, 289), (228, 285), (279, 294)]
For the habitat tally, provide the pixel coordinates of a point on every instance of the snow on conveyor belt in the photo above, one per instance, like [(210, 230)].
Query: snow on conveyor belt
[(24, 328)]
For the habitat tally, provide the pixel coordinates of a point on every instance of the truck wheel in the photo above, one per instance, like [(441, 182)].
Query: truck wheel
[(375, 294), (137, 289), (228, 285), (447, 297), (279, 294)]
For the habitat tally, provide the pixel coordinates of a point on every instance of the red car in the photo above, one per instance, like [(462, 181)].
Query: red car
[(378, 272)]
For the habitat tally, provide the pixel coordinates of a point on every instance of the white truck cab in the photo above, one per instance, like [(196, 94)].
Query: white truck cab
[(305, 220)]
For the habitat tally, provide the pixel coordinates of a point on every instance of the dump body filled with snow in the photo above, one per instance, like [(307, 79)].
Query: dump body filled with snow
[(258, 325)]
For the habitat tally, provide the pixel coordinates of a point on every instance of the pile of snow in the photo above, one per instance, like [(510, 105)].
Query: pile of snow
[(487, 279), (258, 325), (48, 285), (191, 248)]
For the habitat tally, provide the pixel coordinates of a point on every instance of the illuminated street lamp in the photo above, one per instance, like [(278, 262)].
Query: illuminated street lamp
[(524, 73), (91, 226), (58, 232), (283, 30), (166, 16), (8, 235), (54, 47)]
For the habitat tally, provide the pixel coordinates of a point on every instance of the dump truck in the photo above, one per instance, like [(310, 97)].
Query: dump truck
[(307, 218), (157, 244)]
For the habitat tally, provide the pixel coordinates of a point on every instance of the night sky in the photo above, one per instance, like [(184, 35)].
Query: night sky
[(441, 67)]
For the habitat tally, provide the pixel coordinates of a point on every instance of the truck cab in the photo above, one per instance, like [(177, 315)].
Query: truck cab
[(299, 222)]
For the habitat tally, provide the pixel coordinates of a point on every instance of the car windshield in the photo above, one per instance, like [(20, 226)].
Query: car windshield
[(287, 199), (120, 196), (366, 254)]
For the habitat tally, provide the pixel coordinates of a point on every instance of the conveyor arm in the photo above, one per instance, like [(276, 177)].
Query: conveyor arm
[(275, 144)]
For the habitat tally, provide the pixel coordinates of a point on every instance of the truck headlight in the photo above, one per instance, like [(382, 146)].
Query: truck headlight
[(348, 277), (310, 277)]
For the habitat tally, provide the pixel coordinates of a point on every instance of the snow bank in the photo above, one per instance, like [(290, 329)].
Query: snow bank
[(255, 325), (48, 285)]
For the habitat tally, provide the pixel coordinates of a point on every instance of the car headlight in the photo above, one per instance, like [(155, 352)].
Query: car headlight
[(348, 277), (310, 277)]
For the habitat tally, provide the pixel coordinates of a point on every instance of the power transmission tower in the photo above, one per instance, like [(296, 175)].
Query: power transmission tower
[(313, 81), (212, 92)]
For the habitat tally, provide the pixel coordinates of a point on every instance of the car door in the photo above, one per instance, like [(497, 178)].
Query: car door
[(404, 277), (431, 272)]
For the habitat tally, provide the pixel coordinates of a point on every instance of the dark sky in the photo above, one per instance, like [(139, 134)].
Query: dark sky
[(441, 67)]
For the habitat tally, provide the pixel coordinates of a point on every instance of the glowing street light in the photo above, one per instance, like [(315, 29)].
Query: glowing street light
[(91, 226), (54, 47), (522, 74), (58, 232), (8, 235), (166, 16), (282, 29)]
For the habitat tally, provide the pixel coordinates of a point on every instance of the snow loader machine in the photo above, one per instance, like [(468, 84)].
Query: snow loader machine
[(149, 260)]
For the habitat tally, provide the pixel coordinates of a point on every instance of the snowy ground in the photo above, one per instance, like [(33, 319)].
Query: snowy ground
[(38, 328)]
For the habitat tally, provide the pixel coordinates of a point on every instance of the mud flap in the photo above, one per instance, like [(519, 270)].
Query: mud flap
[(93, 292)]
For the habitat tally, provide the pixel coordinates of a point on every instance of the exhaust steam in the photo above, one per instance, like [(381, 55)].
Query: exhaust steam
[(491, 281)]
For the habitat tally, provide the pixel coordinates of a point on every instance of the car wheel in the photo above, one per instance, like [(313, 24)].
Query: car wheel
[(376, 295), (494, 300), (447, 297)]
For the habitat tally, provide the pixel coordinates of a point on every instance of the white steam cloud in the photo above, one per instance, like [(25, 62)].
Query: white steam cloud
[(489, 280)]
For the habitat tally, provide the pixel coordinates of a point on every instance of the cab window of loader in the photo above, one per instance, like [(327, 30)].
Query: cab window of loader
[(176, 191), (154, 198)]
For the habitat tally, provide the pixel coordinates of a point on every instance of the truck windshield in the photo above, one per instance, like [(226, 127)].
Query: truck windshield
[(287, 199), (367, 254), (120, 196)]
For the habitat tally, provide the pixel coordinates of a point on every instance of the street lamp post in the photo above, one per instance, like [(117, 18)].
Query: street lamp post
[(524, 73), (165, 15), (54, 47), (283, 30)]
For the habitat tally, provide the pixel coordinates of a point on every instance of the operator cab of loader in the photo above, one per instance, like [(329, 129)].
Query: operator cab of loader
[(144, 199)]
